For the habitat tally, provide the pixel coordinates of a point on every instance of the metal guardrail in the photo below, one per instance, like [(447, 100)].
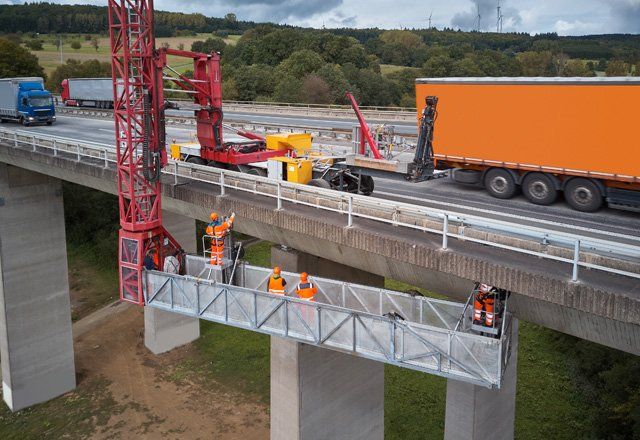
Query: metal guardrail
[(346, 317), (576, 250), (383, 110), (336, 134)]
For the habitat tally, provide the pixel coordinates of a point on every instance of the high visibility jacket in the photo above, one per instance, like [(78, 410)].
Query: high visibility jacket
[(306, 291), (222, 230), (276, 284)]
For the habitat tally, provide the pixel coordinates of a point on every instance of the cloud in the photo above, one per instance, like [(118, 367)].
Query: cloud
[(625, 15), (256, 10), (468, 20), (576, 27)]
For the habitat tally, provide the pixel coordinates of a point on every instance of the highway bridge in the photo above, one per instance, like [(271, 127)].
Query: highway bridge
[(576, 273)]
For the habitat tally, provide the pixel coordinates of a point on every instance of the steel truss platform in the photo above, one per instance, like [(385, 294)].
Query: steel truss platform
[(423, 334)]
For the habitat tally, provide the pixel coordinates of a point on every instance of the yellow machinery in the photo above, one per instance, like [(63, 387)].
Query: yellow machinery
[(298, 142), (290, 169)]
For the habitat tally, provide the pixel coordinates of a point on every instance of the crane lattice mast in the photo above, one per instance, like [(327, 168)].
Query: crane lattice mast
[(140, 145)]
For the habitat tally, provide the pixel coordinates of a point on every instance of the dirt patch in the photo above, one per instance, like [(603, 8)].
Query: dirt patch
[(149, 397)]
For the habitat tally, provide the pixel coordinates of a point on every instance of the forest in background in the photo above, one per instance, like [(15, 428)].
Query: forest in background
[(281, 63)]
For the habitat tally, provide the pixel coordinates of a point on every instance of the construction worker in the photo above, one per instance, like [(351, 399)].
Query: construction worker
[(215, 221), (306, 289), (218, 230), (171, 263), (276, 282), (483, 303), (151, 260)]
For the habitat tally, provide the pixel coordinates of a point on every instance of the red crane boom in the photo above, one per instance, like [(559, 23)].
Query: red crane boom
[(365, 133)]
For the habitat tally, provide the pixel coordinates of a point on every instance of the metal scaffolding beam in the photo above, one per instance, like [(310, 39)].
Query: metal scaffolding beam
[(350, 318)]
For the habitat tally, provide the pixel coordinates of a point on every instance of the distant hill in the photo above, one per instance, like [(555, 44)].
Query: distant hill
[(47, 18)]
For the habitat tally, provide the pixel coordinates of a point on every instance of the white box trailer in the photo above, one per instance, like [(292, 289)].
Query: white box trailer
[(92, 92)]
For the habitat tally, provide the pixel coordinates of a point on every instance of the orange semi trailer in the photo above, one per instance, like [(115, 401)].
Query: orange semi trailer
[(541, 136)]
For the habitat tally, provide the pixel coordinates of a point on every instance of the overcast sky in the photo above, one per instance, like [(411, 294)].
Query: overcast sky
[(566, 17)]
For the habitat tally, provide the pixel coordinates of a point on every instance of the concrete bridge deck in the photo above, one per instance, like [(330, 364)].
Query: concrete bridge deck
[(602, 307)]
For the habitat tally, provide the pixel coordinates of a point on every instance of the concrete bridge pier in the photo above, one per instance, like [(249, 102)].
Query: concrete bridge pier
[(318, 393), (164, 331), (36, 344), (478, 413)]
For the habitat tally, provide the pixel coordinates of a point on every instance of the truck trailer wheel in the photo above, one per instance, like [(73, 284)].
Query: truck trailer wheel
[(366, 184), (319, 183), (466, 176), (500, 183), (583, 195), (539, 189)]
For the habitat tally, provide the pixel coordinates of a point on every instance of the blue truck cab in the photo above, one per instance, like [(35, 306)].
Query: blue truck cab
[(25, 100)]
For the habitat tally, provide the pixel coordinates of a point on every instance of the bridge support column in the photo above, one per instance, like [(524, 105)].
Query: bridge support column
[(477, 413), (36, 343), (318, 393), (164, 331)]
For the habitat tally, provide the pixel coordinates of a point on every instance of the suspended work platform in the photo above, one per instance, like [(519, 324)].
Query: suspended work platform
[(424, 334)]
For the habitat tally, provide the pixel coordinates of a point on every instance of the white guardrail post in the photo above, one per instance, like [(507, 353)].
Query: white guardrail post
[(625, 251), (279, 195), (445, 232), (576, 260)]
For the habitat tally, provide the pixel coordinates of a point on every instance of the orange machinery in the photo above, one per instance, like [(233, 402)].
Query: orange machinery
[(541, 136)]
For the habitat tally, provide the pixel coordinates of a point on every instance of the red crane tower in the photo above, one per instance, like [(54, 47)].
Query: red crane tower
[(139, 129), (139, 71)]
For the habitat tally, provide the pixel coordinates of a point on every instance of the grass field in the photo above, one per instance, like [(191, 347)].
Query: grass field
[(386, 69), (49, 57)]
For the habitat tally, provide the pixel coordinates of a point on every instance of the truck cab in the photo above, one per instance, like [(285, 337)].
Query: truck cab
[(35, 104)]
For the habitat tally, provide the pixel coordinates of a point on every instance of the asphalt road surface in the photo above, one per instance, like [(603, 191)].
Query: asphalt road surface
[(439, 193)]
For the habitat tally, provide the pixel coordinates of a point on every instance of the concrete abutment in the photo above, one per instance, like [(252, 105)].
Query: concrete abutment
[(36, 343), (318, 393), (164, 331), (477, 413)]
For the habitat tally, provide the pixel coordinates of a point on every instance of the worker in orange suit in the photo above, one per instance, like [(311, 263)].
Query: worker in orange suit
[(306, 289), (218, 230), (483, 302), (276, 282)]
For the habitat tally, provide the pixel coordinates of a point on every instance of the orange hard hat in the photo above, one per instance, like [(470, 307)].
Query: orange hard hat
[(276, 270), (213, 216), (304, 276)]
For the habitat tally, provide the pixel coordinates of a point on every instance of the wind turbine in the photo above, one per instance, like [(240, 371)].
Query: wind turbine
[(430, 15), (500, 17), (479, 16)]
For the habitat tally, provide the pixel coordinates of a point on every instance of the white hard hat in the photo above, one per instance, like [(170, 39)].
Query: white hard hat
[(485, 288)]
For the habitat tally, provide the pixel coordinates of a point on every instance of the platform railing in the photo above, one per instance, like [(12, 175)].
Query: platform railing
[(573, 249), (346, 317)]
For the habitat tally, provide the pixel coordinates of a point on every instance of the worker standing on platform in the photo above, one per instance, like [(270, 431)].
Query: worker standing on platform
[(276, 282), (484, 302), (218, 230), (171, 263), (306, 289)]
